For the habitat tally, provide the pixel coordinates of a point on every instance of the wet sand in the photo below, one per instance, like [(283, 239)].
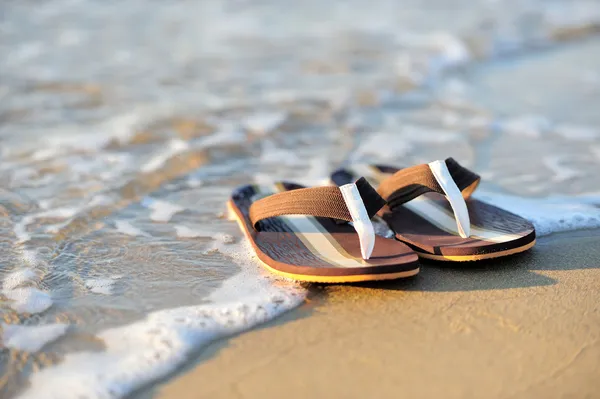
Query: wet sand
[(523, 327)]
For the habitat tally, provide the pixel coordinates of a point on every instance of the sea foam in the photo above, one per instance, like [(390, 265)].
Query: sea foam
[(102, 286), (28, 300), (551, 214), (162, 211), (127, 228), (31, 338), (139, 353)]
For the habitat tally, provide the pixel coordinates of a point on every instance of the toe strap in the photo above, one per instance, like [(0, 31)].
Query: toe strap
[(356, 202), (453, 194), (447, 177)]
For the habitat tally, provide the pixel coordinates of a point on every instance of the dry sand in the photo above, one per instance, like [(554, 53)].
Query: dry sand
[(522, 327)]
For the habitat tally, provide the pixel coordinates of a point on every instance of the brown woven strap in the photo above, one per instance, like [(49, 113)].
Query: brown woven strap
[(316, 201), (407, 184)]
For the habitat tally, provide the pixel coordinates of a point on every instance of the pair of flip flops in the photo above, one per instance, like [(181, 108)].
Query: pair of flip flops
[(325, 234)]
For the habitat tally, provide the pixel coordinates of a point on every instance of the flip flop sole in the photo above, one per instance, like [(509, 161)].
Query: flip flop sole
[(400, 262), (469, 258)]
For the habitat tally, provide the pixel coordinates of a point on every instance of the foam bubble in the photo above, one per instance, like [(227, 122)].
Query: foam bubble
[(28, 300), (102, 286), (44, 154), (31, 338), (20, 230), (186, 232), (162, 211), (174, 147), (451, 51), (265, 122), (18, 278), (194, 183), (125, 227), (221, 138)]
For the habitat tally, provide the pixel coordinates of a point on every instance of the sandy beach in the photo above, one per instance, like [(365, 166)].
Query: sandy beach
[(524, 327), (125, 127)]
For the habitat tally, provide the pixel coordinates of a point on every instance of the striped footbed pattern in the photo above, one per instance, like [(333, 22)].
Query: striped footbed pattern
[(303, 244), (428, 225)]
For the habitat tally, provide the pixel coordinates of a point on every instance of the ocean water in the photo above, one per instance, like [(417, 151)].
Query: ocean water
[(124, 126)]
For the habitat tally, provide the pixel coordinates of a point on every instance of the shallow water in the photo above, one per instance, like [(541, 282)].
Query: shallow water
[(125, 126)]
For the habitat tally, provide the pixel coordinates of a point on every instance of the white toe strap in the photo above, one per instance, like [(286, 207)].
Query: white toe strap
[(360, 218), (454, 196)]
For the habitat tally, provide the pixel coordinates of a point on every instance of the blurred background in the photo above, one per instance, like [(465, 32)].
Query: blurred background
[(124, 126)]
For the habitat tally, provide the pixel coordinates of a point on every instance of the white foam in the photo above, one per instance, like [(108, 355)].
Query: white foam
[(28, 300), (125, 227), (151, 348), (271, 154), (394, 145), (162, 211), (265, 122), (31, 338), (102, 286), (120, 128), (194, 182), (450, 51), (552, 214), (221, 138), (20, 228), (99, 200), (526, 125), (186, 232), (44, 203), (577, 133), (44, 154), (174, 147), (223, 238), (430, 55), (561, 172), (382, 146), (18, 277)]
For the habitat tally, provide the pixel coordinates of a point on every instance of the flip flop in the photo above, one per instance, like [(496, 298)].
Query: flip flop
[(320, 234), (430, 208)]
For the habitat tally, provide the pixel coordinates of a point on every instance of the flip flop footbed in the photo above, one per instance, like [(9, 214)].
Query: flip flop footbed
[(317, 249)]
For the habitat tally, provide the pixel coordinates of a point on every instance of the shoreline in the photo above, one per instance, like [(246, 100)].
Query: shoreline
[(525, 326)]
